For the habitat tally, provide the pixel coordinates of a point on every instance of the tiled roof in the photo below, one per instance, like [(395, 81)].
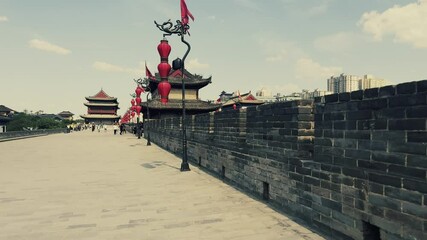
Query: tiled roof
[(103, 116), (101, 95), (177, 104), (101, 104), (3, 108), (66, 113)]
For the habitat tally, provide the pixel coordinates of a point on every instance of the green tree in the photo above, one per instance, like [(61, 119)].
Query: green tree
[(22, 121)]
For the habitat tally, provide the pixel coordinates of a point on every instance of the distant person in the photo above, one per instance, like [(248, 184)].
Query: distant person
[(115, 128), (93, 127)]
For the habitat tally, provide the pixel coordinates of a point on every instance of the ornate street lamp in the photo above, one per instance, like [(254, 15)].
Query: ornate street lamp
[(181, 29), (144, 85), (138, 108)]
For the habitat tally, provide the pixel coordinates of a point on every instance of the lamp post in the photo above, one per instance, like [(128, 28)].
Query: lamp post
[(138, 107), (181, 29), (144, 85)]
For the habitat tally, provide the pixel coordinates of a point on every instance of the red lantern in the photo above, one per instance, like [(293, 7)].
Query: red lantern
[(234, 106), (138, 109), (138, 91), (132, 102), (164, 49), (138, 101), (164, 89), (164, 69)]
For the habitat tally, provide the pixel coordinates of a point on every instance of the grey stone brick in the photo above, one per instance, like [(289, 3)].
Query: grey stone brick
[(387, 91), (385, 202), (402, 194), (385, 179), (422, 86), (407, 124), (406, 88)]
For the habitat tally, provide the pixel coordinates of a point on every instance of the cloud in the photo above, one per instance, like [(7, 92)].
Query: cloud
[(338, 42), (247, 4), (310, 71), (107, 67), (286, 88), (274, 49), (319, 9), (4, 19), (49, 47), (194, 64), (406, 24)]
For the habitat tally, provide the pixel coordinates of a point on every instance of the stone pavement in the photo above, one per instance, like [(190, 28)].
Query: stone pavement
[(88, 185)]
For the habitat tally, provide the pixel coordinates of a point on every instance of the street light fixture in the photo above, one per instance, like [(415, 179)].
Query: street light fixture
[(138, 108), (144, 85), (181, 29)]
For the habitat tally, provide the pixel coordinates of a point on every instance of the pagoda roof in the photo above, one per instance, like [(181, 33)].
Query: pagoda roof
[(103, 116), (192, 81), (101, 95), (92, 104), (244, 99), (65, 113), (3, 108), (177, 104)]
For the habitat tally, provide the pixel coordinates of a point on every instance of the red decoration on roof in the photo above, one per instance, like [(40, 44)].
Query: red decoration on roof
[(101, 94), (177, 73)]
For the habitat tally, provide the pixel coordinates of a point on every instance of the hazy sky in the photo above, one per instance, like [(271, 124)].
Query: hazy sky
[(53, 53)]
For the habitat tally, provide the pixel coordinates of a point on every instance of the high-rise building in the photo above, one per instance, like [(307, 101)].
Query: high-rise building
[(348, 83), (368, 81), (343, 83)]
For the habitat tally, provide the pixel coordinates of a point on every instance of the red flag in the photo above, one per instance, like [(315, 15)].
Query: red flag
[(147, 72), (185, 13)]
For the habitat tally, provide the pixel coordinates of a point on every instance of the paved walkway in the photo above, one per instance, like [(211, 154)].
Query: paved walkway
[(88, 185)]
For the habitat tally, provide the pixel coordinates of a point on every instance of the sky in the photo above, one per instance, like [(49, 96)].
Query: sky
[(53, 53)]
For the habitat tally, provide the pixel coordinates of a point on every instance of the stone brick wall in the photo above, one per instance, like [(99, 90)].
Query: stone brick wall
[(373, 146), (15, 135), (350, 165)]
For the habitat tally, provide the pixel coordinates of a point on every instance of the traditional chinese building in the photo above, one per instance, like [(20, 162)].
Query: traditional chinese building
[(101, 108), (66, 115), (238, 101), (173, 108), (5, 116)]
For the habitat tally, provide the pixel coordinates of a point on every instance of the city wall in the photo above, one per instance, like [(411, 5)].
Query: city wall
[(15, 135), (350, 165)]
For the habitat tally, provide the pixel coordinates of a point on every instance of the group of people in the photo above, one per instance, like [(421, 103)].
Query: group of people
[(116, 127), (120, 127)]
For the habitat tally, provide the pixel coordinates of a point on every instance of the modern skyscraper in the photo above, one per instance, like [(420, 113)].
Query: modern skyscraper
[(348, 83)]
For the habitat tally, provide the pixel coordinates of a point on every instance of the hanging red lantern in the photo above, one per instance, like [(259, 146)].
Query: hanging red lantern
[(164, 69), (138, 91), (138, 101), (138, 109), (164, 49), (132, 102), (164, 89)]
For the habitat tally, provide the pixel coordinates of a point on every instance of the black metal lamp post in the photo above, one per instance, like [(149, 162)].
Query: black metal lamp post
[(180, 29), (144, 84)]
